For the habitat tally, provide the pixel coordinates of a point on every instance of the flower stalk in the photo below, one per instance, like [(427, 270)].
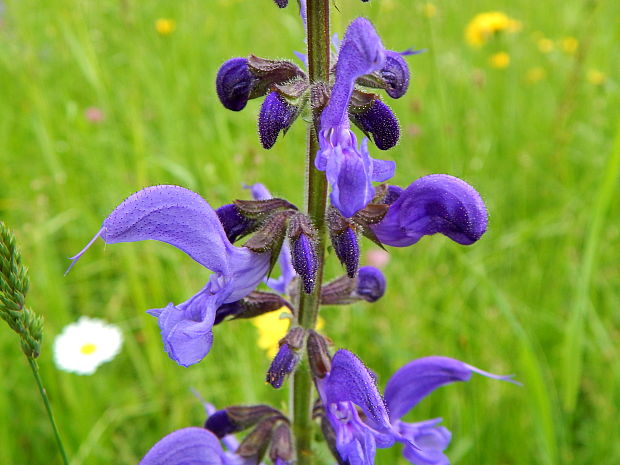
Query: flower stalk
[(317, 15)]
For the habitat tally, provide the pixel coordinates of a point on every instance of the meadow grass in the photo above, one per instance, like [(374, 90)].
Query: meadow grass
[(538, 296)]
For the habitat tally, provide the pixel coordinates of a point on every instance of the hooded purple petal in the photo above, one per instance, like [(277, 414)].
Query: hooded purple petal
[(434, 204), (350, 381), (361, 53), (411, 383), (173, 215), (396, 74), (276, 115), (234, 83), (187, 446), (378, 120)]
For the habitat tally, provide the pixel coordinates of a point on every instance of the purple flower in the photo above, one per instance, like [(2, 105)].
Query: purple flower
[(195, 446), (379, 121), (349, 168), (182, 218), (350, 384), (437, 203)]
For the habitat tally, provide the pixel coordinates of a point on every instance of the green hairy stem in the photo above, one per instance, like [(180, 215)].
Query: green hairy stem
[(316, 195)]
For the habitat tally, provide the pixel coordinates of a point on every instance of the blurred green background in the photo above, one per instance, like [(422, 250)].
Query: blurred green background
[(538, 296)]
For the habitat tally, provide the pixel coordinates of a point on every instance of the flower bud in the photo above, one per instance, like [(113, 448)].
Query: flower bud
[(370, 284), (287, 358), (238, 417), (282, 365), (281, 449), (221, 424), (344, 241), (276, 115), (377, 119), (235, 224), (347, 249), (318, 355), (254, 304), (301, 236), (281, 3), (234, 83)]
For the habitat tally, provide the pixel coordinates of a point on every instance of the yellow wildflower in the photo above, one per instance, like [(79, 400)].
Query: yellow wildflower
[(545, 45), (535, 74), (429, 9), (165, 26), (596, 77), (485, 25), (570, 45), (272, 327), (499, 60)]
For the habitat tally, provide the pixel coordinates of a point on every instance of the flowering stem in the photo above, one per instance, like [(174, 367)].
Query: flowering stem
[(316, 195), (48, 408)]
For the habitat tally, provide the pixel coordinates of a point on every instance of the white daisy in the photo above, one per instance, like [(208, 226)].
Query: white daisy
[(86, 344)]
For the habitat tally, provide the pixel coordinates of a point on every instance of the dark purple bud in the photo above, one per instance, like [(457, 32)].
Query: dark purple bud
[(234, 83), (318, 355), (239, 417), (281, 448), (221, 424), (305, 261), (283, 3), (370, 283), (396, 74), (347, 249), (282, 365), (392, 194), (231, 309), (378, 120), (254, 304), (235, 224), (276, 115)]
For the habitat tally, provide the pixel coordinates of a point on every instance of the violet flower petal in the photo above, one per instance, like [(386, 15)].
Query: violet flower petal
[(187, 446), (361, 53), (437, 203), (348, 171), (396, 74), (187, 328), (370, 283), (174, 215), (431, 440), (414, 381), (350, 381)]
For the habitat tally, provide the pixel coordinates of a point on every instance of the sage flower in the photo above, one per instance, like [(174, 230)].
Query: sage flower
[(437, 203), (350, 386), (182, 218), (348, 166)]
